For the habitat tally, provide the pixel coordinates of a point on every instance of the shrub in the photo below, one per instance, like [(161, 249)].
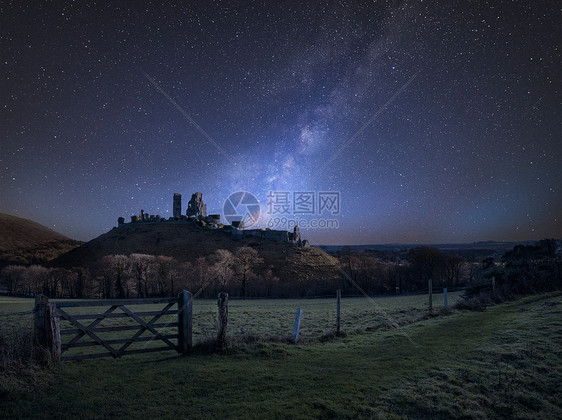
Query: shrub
[(18, 351)]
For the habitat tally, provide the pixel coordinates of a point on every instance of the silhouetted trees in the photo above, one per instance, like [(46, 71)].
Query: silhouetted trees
[(140, 266), (201, 275), (163, 277), (53, 282), (246, 259), (524, 269), (427, 263), (401, 272), (13, 276)]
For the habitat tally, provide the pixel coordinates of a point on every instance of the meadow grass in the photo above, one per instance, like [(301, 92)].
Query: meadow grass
[(504, 362), (265, 318)]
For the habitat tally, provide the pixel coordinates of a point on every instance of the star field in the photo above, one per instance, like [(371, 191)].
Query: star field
[(436, 121)]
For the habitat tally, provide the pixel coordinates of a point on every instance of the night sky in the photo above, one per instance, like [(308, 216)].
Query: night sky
[(437, 121)]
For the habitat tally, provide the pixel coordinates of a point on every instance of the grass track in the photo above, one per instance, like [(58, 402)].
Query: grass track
[(505, 362)]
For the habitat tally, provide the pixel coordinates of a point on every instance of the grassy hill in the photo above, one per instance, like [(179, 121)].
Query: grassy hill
[(501, 363), (24, 241), (186, 242), (18, 233)]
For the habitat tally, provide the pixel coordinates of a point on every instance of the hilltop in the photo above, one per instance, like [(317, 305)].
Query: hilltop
[(24, 241), (18, 233), (186, 241)]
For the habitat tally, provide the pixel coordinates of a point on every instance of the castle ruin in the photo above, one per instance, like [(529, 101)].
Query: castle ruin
[(196, 213), (196, 207)]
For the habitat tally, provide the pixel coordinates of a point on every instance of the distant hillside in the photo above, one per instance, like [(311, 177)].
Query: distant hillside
[(24, 241), (487, 245), (186, 242)]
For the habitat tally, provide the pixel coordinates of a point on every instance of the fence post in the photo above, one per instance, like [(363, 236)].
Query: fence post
[(445, 297), (185, 321), (494, 285), (338, 300), (430, 289), (46, 326), (223, 319), (297, 327)]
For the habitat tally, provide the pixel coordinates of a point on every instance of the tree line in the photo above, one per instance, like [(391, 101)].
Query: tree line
[(525, 269), (399, 272), (143, 275)]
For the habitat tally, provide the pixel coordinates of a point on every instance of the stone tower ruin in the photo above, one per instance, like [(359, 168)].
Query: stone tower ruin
[(195, 207), (177, 205)]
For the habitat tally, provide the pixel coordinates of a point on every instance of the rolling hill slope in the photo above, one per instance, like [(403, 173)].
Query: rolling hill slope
[(186, 242), (24, 241), (18, 233)]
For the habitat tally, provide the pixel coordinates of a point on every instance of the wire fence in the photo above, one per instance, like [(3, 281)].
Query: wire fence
[(273, 319)]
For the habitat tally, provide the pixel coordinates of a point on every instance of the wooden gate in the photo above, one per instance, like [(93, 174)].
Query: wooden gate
[(49, 314)]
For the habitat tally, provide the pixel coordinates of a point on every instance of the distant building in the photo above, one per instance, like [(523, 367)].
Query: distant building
[(177, 205)]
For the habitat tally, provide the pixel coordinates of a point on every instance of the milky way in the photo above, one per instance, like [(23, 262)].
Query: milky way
[(435, 121)]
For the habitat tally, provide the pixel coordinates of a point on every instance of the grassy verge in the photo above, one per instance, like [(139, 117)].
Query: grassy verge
[(504, 362)]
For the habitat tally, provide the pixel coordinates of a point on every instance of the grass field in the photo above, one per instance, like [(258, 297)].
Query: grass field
[(504, 362), (264, 318)]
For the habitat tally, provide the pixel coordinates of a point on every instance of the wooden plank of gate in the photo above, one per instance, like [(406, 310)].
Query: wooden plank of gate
[(90, 333), (120, 328), (120, 315), (148, 327), (92, 325), (116, 302), (142, 329)]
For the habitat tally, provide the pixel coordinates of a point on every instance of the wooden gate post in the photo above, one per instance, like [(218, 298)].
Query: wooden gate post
[(46, 327), (445, 297), (338, 299), (223, 319), (297, 327), (185, 321), (430, 288)]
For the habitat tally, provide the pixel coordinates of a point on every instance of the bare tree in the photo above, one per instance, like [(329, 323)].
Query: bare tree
[(427, 263), (246, 259), (13, 277), (60, 282), (223, 262), (201, 275), (163, 282), (116, 273), (453, 265), (269, 280), (37, 278), (82, 282), (140, 265)]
